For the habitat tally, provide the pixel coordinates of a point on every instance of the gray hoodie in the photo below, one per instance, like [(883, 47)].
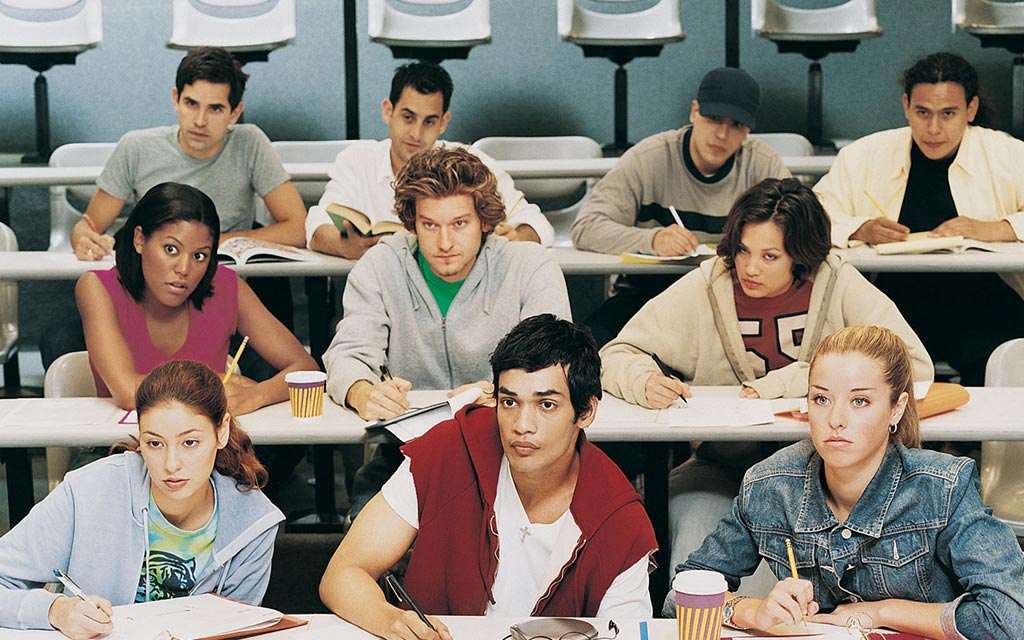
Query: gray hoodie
[(392, 318), (93, 526)]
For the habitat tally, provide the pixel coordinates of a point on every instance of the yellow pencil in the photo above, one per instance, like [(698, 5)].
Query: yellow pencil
[(877, 206), (238, 354), (792, 562)]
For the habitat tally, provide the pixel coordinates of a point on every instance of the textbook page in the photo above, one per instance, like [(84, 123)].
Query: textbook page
[(720, 412), (702, 251), (188, 618)]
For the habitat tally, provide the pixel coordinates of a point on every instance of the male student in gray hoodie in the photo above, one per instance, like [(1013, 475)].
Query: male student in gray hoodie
[(426, 308)]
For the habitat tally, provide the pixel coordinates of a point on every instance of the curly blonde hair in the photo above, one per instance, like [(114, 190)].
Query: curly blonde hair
[(444, 172)]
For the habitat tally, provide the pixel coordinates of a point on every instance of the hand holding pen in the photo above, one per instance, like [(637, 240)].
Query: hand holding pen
[(79, 615), (414, 620), (674, 239), (661, 390)]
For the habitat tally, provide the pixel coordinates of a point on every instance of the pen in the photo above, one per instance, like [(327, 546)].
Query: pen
[(643, 630), (385, 374), (70, 585), (792, 563), (88, 223), (875, 202), (400, 592), (675, 216), (665, 371), (238, 354)]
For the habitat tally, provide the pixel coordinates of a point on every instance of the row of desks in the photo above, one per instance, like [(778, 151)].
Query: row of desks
[(992, 414), (317, 171), (44, 265)]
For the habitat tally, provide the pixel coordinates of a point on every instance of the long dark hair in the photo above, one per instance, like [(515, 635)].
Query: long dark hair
[(806, 229), (197, 387), (164, 204)]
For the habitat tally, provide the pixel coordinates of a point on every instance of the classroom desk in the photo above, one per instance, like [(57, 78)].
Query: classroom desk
[(318, 171), (992, 414), (331, 627)]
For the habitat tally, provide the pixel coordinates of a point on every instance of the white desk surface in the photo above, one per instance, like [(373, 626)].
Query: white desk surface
[(992, 414), (317, 171), (45, 265), (330, 627)]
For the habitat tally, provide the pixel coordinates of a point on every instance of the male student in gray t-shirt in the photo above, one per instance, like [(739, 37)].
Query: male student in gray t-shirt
[(699, 169), (233, 164)]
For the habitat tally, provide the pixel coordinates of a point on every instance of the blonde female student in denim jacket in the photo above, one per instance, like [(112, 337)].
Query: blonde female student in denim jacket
[(882, 530), (178, 513)]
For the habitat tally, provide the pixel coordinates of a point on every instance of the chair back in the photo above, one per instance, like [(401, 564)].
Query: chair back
[(559, 198), (1002, 463), (8, 302), (63, 212), (69, 376), (443, 24), (319, 151), (787, 145), (986, 16), (852, 20), (45, 26), (657, 24), (237, 25)]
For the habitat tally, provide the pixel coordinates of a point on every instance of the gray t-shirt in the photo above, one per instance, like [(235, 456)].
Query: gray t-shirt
[(630, 204), (245, 168)]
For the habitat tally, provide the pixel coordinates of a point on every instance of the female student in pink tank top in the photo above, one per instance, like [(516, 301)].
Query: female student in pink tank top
[(168, 300)]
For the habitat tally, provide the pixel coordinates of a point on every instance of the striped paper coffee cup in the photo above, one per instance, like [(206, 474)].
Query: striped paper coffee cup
[(700, 596), (306, 393)]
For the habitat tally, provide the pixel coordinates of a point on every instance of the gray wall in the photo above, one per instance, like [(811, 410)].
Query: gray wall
[(525, 82)]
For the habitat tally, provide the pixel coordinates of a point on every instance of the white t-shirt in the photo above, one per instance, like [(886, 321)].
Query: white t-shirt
[(361, 178), (530, 553)]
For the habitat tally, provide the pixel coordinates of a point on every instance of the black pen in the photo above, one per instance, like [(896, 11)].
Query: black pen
[(384, 373), (400, 592), (665, 371)]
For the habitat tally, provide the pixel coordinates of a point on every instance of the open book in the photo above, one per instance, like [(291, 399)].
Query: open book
[(922, 242), (340, 213), (205, 617), (696, 256), (245, 250)]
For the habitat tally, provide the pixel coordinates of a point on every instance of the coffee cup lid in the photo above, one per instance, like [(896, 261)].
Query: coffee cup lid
[(699, 582)]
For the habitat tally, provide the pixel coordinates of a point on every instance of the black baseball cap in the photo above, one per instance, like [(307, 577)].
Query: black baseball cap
[(729, 93)]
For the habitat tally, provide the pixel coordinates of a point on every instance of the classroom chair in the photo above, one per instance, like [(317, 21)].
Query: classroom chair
[(620, 35), (68, 377), (559, 198), (40, 34), (815, 33), (9, 320), (789, 145), (66, 200), (318, 151), (247, 28), (1002, 463), (442, 32), (998, 24)]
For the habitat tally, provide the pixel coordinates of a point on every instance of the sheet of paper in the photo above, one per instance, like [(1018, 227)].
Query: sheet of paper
[(720, 412), (188, 618), (416, 426)]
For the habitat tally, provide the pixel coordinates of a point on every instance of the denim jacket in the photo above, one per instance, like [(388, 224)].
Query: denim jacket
[(919, 532)]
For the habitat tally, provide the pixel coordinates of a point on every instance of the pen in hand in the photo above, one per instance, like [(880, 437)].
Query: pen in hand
[(665, 371), (792, 564), (402, 596), (70, 585)]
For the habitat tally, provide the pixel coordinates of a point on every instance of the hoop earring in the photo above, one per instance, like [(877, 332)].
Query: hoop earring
[(893, 427)]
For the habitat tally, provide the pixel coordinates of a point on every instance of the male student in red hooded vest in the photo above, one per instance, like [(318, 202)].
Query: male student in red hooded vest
[(512, 511)]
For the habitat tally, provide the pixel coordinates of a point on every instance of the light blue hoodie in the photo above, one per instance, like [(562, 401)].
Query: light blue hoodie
[(93, 526)]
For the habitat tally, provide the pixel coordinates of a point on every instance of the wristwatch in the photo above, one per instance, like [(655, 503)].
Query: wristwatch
[(729, 609)]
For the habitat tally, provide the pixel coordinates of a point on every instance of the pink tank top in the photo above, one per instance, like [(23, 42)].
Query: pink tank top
[(208, 330)]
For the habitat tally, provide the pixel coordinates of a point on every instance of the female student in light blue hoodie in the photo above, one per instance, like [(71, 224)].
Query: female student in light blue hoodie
[(178, 512)]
